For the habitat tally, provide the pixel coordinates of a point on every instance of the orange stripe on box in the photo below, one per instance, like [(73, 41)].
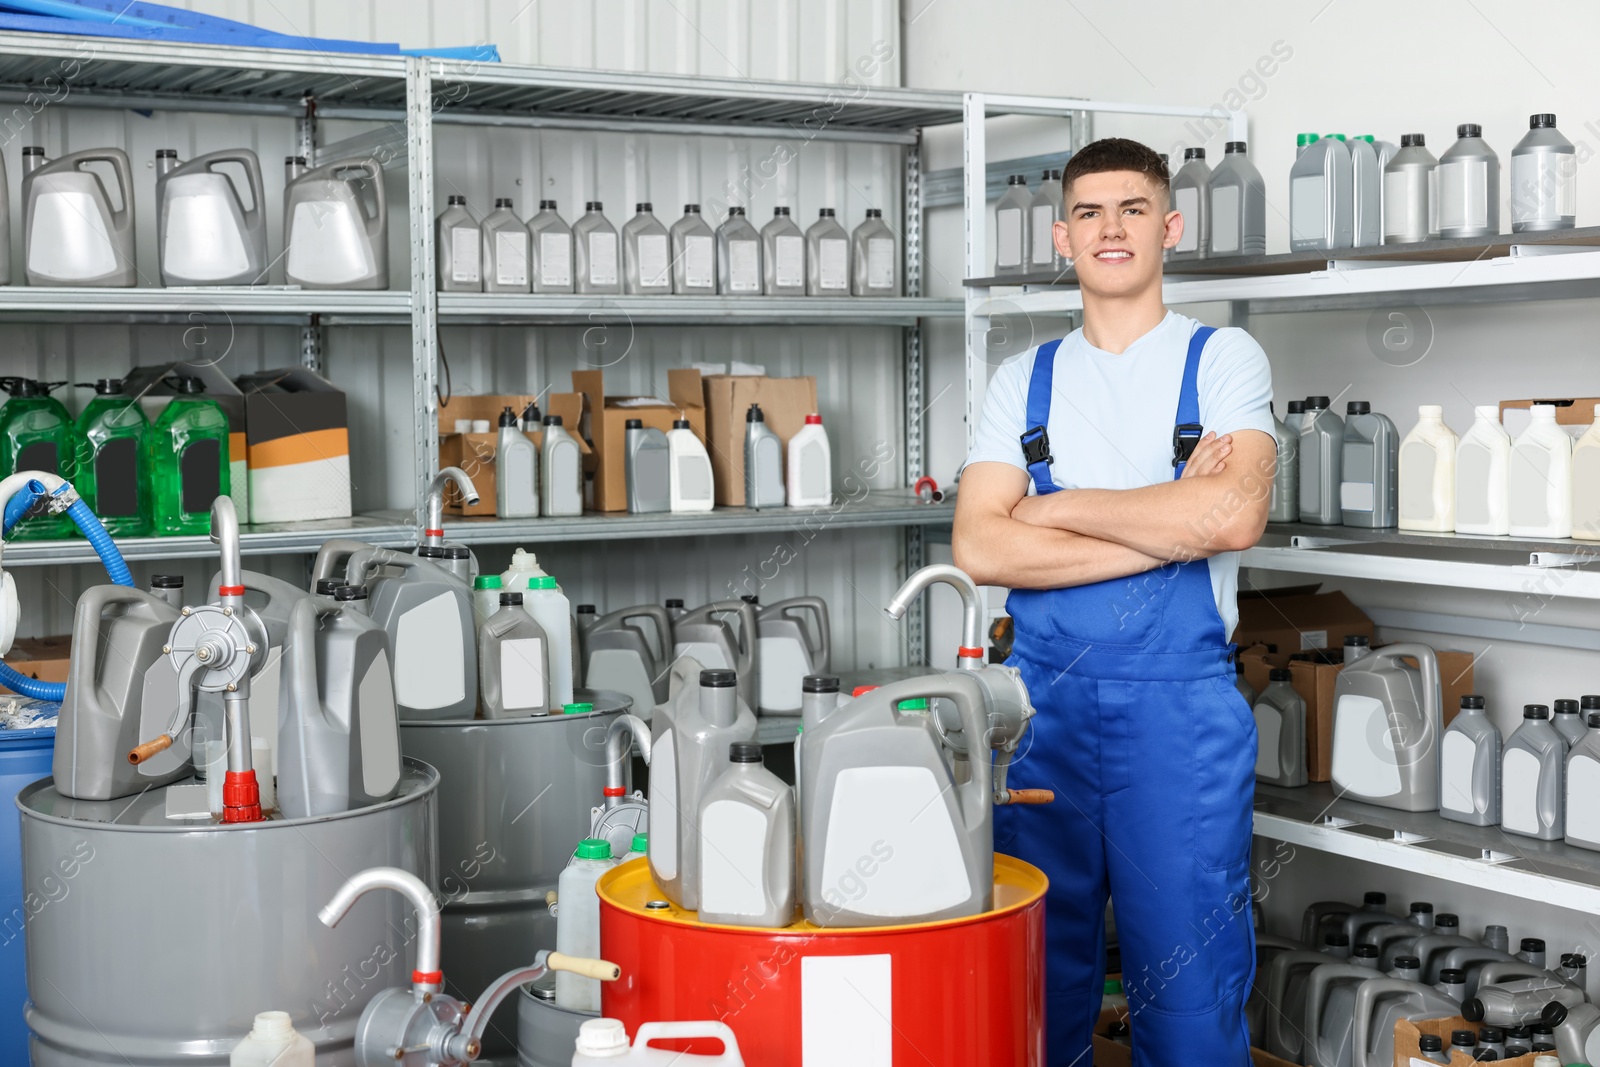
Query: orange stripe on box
[(236, 446), (301, 448)]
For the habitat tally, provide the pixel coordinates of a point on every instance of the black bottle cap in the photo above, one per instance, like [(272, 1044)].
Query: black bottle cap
[(1469, 129), (754, 414), (593, 205), (1471, 700), (819, 683), (1280, 674), (780, 210), (1452, 975), (674, 602), (1590, 702), (1430, 1043), (1535, 711), (825, 213), (874, 213), (1515, 1049), (350, 592), (108, 386), (508, 417), (691, 209), (750, 598), (1464, 1039), (328, 586), (166, 581), (1017, 179), (633, 424), (1566, 707), (1533, 944), (185, 383), (530, 413), (457, 552), (1519, 1033), (1337, 940), (744, 752), (1490, 1035), (1297, 407), (1238, 666), (1421, 907), (1358, 407), (1574, 959), (172, 153), (1413, 140), (431, 552), (1487, 1055), (502, 201), (1554, 1014), (1193, 153), (1446, 918), (1316, 402), (735, 210), (547, 205), (1365, 952), (510, 599), (1407, 963), (1233, 148), (455, 201), (1375, 899), (680, 424), (552, 420), (585, 609), (644, 208), (1542, 121), (1357, 641), (34, 150), (718, 679)]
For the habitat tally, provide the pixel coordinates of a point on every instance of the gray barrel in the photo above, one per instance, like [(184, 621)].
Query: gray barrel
[(156, 942), (514, 801), (546, 1035)]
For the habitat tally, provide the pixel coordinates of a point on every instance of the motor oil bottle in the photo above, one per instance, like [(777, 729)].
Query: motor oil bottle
[(516, 471), (1431, 1047), (1468, 184), (71, 234), (273, 1042), (1238, 205), (206, 235), (706, 636), (873, 271), (738, 255), (561, 479), (1577, 1033), (1331, 1007), (882, 807), (810, 481), (36, 434), (1472, 958), (763, 462), (1368, 494), (690, 735), (1356, 646), (596, 258), (1427, 495), (747, 844), (116, 698), (338, 733), (1469, 767), (505, 250), (336, 226), (1284, 503), (783, 256), (827, 256), (694, 255), (1044, 210), (486, 589), (1245, 689), (795, 642), (819, 698), (1191, 198), (1284, 985), (552, 610), (674, 608), (1374, 911), (1567, 721), (1395, 939), (1294, 416), (689, 484), (1321, 463), (109, 476), (5, 226), (1533, 778), (1408, 181), (622, 657), (1366, 186), (1268, 947), (552, 250), (1386, 724), (1011, 227), (578, 922), (1540, 478), (1583, 785), (457, 559), (168, 587), (186, 455), (1483, 472), (646, 270), (1586, 483), (1280, 716), (1544, 179), (1432, 948), (1381, 1002), (1321, 199), (427, 614), (514, 660), (648, 469), (639, 849)]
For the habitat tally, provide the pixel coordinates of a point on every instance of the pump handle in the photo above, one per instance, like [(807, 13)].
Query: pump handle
[(602, 970), (1025, 796), (142, 752)]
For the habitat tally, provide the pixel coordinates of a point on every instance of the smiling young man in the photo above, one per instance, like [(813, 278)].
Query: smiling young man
[(1115, 476)]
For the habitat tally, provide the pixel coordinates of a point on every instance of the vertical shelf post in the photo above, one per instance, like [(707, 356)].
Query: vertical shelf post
[(424, 301)]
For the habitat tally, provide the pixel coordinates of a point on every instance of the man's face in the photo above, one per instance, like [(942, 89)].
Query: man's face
[(1115, 228)]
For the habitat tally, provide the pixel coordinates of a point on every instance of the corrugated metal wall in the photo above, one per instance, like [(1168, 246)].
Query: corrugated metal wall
[(858, 370)]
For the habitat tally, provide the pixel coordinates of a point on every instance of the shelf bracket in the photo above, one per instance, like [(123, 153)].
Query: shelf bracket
[(1312, 541), (1562, 559), (1492, 856), (1525, 251), (305, 131), (1406, 837), (311, 344)]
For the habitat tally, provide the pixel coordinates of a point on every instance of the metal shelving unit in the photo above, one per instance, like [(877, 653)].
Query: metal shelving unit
[(263, 304), (550, 309), (268, 540)]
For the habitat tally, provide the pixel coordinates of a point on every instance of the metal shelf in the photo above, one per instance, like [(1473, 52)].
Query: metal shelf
[(561, 309), (1544, 575), (266, 540), (1306, 535), (1315, 816), (202, 305)]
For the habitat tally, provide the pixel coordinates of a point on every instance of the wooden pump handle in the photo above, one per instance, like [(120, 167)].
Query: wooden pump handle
[(140, 753), (601, 969), (1030, 796)]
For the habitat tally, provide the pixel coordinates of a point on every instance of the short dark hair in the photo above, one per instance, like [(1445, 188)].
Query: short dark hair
[(1117, 153)]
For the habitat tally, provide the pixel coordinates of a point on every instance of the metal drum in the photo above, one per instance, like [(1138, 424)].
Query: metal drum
[(514, 801), (156, 942), (24, 758), (546, 1035)]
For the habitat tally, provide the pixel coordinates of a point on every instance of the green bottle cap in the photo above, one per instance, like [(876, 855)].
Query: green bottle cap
[(592, 848), (641, 843), (1113, 986), (543, 581), (1367, 137), (582, 708), (1303, 139), (914, 704), (486, 581), (1335, 136)]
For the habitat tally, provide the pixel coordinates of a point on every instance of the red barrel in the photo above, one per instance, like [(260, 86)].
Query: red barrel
[(958, 991)]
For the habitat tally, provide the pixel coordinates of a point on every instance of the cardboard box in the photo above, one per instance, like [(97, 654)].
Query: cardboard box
[(1299, 619), (44, 659), (474, 453), (1407, 1033), (297, 433), (605, 425), (1109, 1053), (785, 403), (1574, 414), (149, 385)]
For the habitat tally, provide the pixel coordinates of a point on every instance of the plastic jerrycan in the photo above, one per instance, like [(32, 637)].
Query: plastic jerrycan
[(1431, 948), (1533, 790), (578, 921), (1519, 1001), (1268, 948), (1469, 766), (604, 1043), (513, 662), (1330, 1008), (747, 844), (204, 233), (1583, 782), (1283, 504), (1427, 480), (1280, 715), (1540, 477), (71, 235), (1374, 912), (1483, 465), (690, 735), (1529, 962), (1368, 494), (1471, 958), (879, 797), (116, 697), (1285, 1009), (1324, 917), (110, 474), (427, 613), (1395, 939), (1386, 720), (338, 734), (273, 1042), (795, 640), (1321, 463), (331, 239), (620, 656), (711, 640), (1577, 1032), (36, 433), (1381, 1002)]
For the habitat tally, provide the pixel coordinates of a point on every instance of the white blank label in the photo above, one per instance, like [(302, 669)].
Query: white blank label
[(699, 262), (523, 674), (664, 821), (1043, 249), (1308, 210), (1531, 486), (744, 267), (510, 258), (833, 266), (602, 259), (1355, 496), (555, 259), (1364, 760), (1458, 756), (1463, 194), (733, 859), (463, 255), (880, 263), (789, 271), (1404, 193), (1583, 799), (1008, 237), (1225, 218), (653, 260), (1187, 201), (1269, 725), (429, 672), (1519, 796), (846, 1010)]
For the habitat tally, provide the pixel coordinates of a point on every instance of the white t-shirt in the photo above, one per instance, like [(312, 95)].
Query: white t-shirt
[(1111, 416)]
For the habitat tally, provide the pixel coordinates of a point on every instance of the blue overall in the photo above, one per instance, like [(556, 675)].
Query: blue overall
[(1151, 752)]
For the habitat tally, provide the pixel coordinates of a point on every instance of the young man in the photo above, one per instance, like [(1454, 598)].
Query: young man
[(1115, 476)]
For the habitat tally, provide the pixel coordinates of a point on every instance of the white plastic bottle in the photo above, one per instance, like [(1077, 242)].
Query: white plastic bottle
[(597, 259), (552, 610), (524, 565), (1428, 473), (578, 922), (810, 481), (689, 481), (604, 1043), (1483, 464), (516, 471), (273, 1042), (1586, 483), (486, 590), (1540, 475)]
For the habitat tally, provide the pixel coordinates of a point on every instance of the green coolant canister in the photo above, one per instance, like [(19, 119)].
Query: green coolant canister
[(36, 435), (111, 479), (186, 454)]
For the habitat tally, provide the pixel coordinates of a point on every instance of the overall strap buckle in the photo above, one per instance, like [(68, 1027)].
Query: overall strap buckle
[(1185, 438), (1036, 446)]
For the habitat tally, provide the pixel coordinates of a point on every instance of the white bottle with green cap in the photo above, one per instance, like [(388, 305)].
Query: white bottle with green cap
[(486, 589), (578, 922), (552, 611), (747, 849), (638, 850)]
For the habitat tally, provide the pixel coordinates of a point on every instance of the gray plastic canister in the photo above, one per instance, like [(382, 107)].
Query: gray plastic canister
[(1408, 207), (245, 899), (1321, 463), (1369, 492), (1544, 179), (516, 796), (1191, 197), (1469, 767), (204, 234), (1238, 205), (71, 235), (333, 238), (1468, 184)]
